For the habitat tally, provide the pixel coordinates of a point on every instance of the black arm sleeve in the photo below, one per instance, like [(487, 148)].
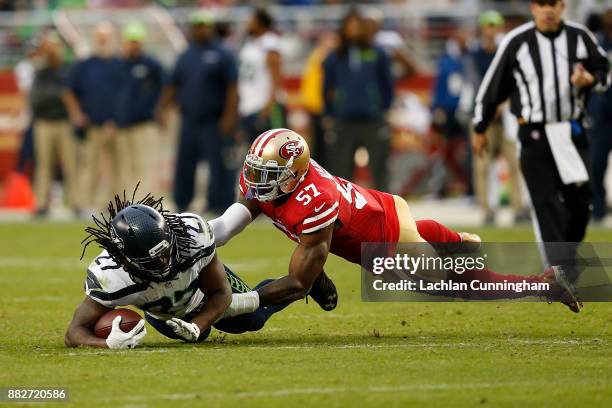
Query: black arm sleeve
[(597, 61), (496, 86)]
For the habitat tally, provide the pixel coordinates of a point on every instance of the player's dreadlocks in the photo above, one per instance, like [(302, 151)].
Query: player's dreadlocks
[(101, 231)]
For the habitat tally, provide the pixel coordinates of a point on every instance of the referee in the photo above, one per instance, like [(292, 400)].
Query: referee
[(547, 68)]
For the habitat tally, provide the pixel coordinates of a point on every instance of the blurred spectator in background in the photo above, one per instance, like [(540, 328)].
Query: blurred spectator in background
[(358, 90), (91, 97), (140, 85), (7, 5), (24, 70), (52, 131), (311, 90), (589, 11), (204, 85), (260, 79), (477, 62), (390, 41), (447, 120), (24, 74), (600, 112), (224, 32), (297, 2)]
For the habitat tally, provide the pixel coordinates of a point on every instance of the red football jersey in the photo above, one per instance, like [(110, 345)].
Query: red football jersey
[(362, 215)]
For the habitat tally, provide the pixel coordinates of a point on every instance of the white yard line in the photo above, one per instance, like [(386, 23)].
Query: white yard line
[(109, 352), (423, 344), (327, 391)]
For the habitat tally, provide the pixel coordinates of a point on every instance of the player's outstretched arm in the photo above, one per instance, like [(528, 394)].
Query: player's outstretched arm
[(306, 264), (233, 220), (80, 331), (213, 281)]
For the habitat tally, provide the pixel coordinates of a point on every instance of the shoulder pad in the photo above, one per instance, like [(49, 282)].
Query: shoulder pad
[(108, 283)]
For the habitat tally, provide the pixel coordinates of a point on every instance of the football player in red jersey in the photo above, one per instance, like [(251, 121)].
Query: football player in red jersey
[(324, 214)]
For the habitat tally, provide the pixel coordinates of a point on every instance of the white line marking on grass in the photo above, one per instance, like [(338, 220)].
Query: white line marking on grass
[(426, 344), (109, 352), (327, 390), (423, 344)]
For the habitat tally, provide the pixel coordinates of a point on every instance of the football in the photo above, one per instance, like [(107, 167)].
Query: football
[(129, 319)]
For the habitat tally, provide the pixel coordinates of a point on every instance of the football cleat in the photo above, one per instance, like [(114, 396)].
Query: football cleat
[(561, 290), (324, 292)]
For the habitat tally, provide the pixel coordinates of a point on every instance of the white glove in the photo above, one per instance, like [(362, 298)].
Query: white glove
[(188, 331), (118, 339)]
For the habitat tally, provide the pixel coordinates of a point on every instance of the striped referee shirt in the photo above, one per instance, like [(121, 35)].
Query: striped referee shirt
[(533, 69)]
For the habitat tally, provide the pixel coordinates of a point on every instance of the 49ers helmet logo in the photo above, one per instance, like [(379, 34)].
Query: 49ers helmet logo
[(292, 148)]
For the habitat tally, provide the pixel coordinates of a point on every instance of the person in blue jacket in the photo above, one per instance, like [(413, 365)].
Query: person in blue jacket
[(449, 85), (358, 92), (203, 84), (90, 99), (141, 83)]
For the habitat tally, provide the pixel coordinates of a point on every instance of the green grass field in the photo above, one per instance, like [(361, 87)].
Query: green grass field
[(361, 354)]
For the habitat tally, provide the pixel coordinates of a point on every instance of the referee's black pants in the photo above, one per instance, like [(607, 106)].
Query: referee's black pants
[(562, 211)]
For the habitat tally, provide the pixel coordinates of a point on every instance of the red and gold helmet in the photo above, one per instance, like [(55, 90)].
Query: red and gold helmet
[(275, 164)]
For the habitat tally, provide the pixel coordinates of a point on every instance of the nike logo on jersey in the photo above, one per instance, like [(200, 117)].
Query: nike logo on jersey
[(317, 209)]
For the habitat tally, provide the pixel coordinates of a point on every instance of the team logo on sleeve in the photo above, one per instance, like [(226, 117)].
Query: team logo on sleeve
[(292, 148)]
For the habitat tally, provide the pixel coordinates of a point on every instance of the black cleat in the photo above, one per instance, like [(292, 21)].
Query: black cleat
[(324, 292)]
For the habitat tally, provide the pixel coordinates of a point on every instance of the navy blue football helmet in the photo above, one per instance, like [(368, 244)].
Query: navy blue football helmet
[(147, 245)]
